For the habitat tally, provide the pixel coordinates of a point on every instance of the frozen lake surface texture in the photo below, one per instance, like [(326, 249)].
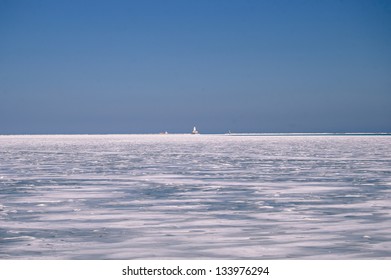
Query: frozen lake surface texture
[(195, 197)]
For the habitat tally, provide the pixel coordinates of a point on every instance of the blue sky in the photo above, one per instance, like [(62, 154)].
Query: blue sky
[(151, 66)]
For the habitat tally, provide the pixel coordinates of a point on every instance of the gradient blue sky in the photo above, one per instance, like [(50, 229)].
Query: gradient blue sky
[(151, 66)]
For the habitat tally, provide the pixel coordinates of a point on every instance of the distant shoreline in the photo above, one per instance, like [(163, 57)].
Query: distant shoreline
[(313, 134), (217, 134)]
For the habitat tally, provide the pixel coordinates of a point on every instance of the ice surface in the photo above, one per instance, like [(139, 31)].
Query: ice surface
[(186, 196)]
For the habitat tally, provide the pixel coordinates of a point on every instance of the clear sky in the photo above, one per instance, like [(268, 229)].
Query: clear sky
[(151, 66)]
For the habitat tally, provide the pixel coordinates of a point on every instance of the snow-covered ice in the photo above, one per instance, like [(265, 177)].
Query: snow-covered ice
[(195, 196)]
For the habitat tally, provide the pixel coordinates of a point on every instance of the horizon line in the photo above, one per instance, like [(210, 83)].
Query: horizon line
[(189, 133)]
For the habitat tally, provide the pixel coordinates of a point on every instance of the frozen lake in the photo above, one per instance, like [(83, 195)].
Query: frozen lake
[(195, 196)]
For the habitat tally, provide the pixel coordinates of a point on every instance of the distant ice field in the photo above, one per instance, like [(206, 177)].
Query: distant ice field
[(195, 197)]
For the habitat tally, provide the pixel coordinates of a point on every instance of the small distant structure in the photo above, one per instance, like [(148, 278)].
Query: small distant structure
[(195, 131), (165, 132)]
